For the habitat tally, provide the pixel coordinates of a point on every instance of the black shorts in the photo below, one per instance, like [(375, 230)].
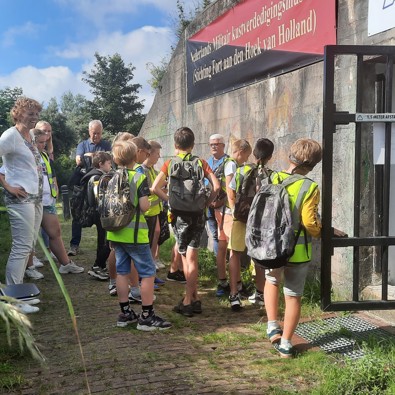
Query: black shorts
[(151, 222), (188, 231)]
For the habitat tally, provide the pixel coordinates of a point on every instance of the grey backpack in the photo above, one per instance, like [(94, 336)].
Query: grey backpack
[(187, 190), (272, 228)]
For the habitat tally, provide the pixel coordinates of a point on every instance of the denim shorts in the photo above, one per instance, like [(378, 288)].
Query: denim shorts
[(141, 256), (294, 277), (50, 209), (188, 231)]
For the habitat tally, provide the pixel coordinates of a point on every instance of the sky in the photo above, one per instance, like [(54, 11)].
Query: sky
[(45, 45)]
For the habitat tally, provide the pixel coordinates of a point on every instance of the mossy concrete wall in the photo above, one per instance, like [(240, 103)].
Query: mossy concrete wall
[(283, 109)]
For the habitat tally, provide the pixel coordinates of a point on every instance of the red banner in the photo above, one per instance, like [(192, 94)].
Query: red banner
[(257, 39)]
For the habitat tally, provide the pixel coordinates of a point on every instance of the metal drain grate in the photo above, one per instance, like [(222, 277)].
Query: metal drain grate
[(340, 335)]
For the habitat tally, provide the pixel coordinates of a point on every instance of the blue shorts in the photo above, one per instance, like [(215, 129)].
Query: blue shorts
[(50, 209), (141, 256)]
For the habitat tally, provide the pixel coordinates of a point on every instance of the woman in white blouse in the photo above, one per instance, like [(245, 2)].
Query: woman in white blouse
[(23, 174)]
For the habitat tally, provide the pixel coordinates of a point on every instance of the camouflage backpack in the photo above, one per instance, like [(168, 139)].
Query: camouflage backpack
[(115, 197)]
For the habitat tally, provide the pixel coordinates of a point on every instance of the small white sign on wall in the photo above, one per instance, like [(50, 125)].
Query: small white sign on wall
[(381, 16), (379, 143)]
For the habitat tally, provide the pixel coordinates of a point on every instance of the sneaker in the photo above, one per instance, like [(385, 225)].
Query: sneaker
[(112, 288), (257, 298), (186, 310), (275, 335), (37, 263), (235, 302), (32, 301), (176, 276), (100, 274), (26, 308), (197, 307), (285, 352), (159, 264), (71, 267), (126, 319), (222, 290), (52, 255), (34, 274), (152, 323), (73, 251), (134, 297), (159, 281)]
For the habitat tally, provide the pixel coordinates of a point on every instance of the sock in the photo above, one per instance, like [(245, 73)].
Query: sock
[(146, 311), (239, 286), (272, 325), (259, 292), (125, 309), (223, 282), (285, 343), (112, 281)]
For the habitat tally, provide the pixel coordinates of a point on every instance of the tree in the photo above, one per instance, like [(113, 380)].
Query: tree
[(76, 110), (115, 100), (63, 137), (8, 97)]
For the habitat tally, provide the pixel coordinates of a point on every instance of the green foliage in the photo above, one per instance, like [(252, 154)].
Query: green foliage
[(76, 110), (5, 244), (64, 167), (7, 100), (371, 374), (115, 100), (63, 137), (157, 73)]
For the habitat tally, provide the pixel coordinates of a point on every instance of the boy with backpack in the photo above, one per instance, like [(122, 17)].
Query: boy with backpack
[(102, 164), (242, 190), (188, 201), (304, 198), (131, 243)]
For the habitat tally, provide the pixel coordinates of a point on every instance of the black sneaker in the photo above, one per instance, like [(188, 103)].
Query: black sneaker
[(222, 290), (235, 302), (186, 310), (176, 276), (99, 273), (197, 307), (126, 319), (152, 323)]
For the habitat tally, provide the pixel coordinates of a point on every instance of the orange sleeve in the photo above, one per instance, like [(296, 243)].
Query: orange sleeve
[(310, 217), (165, 167), (206, 168)]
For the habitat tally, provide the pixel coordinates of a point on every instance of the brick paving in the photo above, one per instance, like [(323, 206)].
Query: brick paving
[(125, 361)]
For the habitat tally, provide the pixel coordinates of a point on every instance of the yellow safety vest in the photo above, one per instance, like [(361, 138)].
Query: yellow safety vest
[(298, 192), (51, 180), (138, 226), (154, 201)]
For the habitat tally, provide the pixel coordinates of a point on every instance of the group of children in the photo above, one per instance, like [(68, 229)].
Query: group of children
[(133, 250)]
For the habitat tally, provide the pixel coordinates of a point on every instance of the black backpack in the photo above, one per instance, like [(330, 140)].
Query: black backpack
[(187, 189), (272, 228), (246, 191)]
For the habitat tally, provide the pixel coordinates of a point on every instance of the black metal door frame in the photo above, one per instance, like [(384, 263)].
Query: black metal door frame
[(332, 118)]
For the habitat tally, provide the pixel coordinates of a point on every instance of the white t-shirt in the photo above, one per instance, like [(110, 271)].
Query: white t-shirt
[(19, 162)]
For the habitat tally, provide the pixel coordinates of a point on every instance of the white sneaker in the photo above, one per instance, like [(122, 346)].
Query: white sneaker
[(34, 274), (36, 262), (70, 268), (26, 308), (31, 301), (159, 264), (53, 256)]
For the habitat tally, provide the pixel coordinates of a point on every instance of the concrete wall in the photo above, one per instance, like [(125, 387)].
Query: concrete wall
[(283, 109)]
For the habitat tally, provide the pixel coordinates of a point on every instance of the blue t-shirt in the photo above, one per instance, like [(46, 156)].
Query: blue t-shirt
[(86, 146)]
